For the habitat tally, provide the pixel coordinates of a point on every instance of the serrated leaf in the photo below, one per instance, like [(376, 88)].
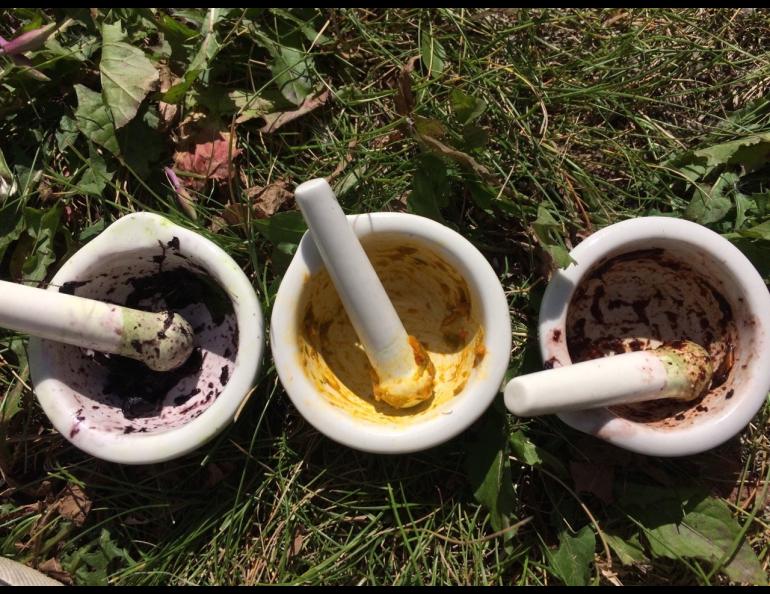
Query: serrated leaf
[(432, 53), (687, 523), (94, 120), (572, 560), (466, 108), (126, 74), (708, 531), (489, 470), (750, 153), (710, 205), (430, 188)]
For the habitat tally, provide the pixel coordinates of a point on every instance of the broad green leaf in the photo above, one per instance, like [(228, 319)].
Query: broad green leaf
[(743, 205), (710, 205), (708, 531), (210, 45), (523, 449), (126, 73), (750, 153), (430, 188), (94, 120), (628, 550), (67, 133), (489, 470), (571, 562), (176, 32), (547, 230), (38, 253), (96, 176), (291, 68), (429, 127), (466, 108), (432, 53), (250, 105), (687, 523), (140, 143), (11, 226), (474, 137), (282, 228)]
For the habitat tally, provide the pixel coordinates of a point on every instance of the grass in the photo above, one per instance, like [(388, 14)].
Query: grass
[(583, 110)]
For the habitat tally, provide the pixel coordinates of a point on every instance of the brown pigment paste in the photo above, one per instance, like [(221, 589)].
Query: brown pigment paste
[(435, 306), (639, 300)]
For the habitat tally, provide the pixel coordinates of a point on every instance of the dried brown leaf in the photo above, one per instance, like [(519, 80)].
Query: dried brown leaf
[(266, 201), (74, 504), (53, 569), (404, 97), (273, 121), (204, 153), (167, 111), (459, 157)]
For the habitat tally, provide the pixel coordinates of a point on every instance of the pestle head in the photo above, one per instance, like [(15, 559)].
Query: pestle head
[(406, 392), (688, 367), (162, 341)]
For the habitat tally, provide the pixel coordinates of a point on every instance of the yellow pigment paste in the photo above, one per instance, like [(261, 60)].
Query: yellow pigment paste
[(434, 304)]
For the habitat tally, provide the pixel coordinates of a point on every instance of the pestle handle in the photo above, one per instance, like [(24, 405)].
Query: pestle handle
[(680, 372), (163, 341), (368, 306)]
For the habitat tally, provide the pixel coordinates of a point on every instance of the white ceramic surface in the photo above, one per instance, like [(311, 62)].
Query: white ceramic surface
[(455, 415), (70, 386), (728, 271)]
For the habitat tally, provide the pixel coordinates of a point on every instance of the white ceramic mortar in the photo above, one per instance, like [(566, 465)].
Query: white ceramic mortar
[(70, 386), (489, 303), (730, 273)]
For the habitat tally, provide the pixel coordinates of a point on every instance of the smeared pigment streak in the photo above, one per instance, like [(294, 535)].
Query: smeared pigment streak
[(435, 306), (640, 300)]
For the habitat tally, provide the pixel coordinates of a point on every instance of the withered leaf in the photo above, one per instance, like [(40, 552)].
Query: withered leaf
[(266, 201), (404, 97), (206, 154), (166, 111), (74, 504), (458, 157), (273, 121), (53, 569)]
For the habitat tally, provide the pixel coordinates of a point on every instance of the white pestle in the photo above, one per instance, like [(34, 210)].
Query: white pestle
[(401, 380), (162, 341), (680, 370)]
